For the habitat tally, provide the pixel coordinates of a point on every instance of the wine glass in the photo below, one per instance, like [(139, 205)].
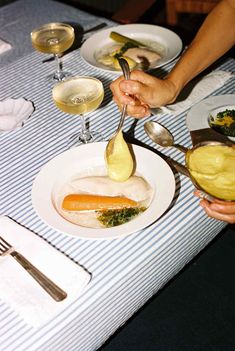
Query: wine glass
[(79, 95), (54, 38)]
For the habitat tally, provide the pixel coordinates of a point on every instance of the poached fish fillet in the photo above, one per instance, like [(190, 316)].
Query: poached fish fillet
[(135, 188)]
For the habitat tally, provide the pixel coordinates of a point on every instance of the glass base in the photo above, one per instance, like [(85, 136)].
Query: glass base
[(55, 78), (85, 138)]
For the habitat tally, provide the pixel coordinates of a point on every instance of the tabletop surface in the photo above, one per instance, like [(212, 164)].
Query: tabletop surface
[(126, 272)]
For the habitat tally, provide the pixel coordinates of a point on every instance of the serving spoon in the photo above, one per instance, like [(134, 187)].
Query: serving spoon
[(126, 72), (162, 136)]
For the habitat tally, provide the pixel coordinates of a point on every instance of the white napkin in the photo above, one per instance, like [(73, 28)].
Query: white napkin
[(204, 87), (20, 291), (4, 46), (14, 112)]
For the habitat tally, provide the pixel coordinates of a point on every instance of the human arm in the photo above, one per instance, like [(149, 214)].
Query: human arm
[(221, 210), (215, 37)]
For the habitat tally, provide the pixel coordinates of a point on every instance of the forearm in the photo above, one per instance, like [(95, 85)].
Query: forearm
[(143, 91), (215, 37)]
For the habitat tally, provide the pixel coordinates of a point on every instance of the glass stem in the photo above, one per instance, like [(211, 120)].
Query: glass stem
[(58, 73), (84, 135)]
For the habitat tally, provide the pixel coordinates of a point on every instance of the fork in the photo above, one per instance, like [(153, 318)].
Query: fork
[(51, 288)]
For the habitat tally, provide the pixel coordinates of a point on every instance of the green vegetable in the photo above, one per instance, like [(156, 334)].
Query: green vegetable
[(122, 39), (224, 122), (112, 218)]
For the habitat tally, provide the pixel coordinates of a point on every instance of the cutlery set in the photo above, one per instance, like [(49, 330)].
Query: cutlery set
[(49, 286)]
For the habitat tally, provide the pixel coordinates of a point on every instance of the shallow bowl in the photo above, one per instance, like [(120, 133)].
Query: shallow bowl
[(14, 112)]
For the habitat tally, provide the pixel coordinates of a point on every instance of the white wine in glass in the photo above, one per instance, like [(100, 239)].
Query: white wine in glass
[(79, 96), (54, 38)]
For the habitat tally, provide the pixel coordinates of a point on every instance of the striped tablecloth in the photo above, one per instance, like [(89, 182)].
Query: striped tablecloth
[(126, 272)]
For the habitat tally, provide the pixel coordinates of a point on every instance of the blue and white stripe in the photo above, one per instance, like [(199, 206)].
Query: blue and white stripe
[(126, 272)]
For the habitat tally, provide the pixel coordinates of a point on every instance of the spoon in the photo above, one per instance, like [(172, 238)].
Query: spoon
[(126, 72), (161, 136)]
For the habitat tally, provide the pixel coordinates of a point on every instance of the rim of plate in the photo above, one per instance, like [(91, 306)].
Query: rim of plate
[(74, 161), (165, 36), (198, 116)]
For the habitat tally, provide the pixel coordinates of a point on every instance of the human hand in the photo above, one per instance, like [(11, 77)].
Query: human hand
[(221, 210), (142, 92)]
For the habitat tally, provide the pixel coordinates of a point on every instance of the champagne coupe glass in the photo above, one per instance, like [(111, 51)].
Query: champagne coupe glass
[(54, 38), (79, 95)]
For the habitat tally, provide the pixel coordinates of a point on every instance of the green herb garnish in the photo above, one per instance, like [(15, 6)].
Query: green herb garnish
[(224, 122), (112, 218)]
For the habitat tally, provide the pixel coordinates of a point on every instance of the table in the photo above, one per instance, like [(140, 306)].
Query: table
[(19, 18), (126, 272)]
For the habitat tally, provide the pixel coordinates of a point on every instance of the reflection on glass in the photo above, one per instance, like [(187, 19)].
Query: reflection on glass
[(54, 38), (79, 96)]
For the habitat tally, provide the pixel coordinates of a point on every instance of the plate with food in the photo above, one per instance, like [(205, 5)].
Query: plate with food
[(144, 46), (216, 112), (74, 193)]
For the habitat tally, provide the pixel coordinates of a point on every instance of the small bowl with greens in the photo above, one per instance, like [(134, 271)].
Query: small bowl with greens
[(222, 120)]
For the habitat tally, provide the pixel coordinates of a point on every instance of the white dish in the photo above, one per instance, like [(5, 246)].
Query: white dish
[(168, 40), (82, 161), (198, 116), (14, 112)]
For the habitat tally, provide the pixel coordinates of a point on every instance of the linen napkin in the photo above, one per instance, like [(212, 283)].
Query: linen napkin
[(14, 112), (4, 46), (20, 291), (197, 90)]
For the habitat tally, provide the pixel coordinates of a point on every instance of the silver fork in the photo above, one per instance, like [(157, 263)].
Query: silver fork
[(51, 288)]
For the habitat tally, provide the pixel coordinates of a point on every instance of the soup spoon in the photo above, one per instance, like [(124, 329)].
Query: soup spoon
[(161, 136), (126, 72)]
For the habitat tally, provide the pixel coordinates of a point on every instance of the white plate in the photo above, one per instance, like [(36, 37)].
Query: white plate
[(170, 41), (83, 160), (198, 116)]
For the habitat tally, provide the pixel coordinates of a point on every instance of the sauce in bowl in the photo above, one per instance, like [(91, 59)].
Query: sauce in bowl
[(212, 167)]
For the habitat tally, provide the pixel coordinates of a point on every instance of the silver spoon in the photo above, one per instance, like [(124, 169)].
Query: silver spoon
[(126, 72), (161, 136)]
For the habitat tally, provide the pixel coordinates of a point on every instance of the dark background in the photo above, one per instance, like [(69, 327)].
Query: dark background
[(187, 27)]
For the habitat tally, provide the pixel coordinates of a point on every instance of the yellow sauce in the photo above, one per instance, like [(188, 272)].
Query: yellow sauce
[(119, 160), (110, 60), (213, 168), (130, 62), (226, 121)]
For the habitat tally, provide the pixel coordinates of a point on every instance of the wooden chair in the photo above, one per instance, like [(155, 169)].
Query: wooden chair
[(175, 7), (132, 10)]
